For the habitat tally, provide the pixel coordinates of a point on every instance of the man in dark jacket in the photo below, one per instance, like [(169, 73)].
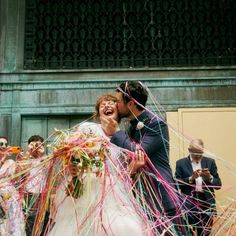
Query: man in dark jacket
[(198, 177), (149, 133)]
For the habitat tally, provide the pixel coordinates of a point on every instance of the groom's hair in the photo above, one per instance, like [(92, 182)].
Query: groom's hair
[(134, 90)]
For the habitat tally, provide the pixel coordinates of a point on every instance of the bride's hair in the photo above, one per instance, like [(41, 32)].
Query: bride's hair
[(106, 97)]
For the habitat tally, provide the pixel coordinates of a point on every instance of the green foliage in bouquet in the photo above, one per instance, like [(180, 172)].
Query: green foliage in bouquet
[(86, 162)]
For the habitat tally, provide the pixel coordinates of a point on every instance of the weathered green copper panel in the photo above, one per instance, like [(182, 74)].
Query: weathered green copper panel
[(45, 125)]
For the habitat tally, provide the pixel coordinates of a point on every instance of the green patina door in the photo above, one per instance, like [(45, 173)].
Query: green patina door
[(46, 125)]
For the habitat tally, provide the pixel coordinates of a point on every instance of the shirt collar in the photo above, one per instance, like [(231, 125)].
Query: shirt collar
[(193, 161)]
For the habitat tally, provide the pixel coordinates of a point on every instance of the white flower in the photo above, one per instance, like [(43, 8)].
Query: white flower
[(140, 125)]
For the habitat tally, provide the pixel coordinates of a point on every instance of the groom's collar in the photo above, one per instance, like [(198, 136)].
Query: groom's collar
[(143, 117)]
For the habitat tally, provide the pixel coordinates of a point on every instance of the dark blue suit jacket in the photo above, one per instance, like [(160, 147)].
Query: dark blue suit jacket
[(154, 139), (184, 170)]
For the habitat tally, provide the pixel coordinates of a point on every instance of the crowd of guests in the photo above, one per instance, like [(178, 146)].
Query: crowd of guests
[(186, 200), (20, 193)]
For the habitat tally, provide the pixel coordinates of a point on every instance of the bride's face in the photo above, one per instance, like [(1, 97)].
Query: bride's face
[(108, 109)]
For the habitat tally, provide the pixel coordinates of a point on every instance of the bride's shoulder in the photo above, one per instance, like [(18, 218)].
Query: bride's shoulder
[(89, 127)]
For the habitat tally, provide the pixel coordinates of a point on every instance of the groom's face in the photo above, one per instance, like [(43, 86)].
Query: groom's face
[(122, 107)]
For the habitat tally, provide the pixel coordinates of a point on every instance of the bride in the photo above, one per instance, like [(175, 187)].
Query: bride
[(107, 205)]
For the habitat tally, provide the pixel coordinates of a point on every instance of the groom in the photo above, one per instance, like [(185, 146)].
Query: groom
[(150, 133)]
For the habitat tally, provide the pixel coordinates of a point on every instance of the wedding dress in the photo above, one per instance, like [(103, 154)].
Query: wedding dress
[(107, 205)]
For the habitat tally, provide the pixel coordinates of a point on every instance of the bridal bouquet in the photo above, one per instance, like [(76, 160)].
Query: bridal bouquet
[(86, 152)]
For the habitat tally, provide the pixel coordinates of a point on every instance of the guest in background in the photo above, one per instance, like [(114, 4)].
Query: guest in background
[(34, 183), (198, 177), (12, 218)]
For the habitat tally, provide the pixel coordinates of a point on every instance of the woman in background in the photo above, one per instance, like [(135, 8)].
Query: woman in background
[(12, 218)]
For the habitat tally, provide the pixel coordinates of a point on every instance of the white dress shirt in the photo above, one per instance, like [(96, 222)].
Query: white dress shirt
[(196, 165)]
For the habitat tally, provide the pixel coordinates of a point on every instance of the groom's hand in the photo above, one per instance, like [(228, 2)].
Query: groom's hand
[(137, 162), (109, 125)]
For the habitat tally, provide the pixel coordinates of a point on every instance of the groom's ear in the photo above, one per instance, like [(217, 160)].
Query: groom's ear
[(131, 104)]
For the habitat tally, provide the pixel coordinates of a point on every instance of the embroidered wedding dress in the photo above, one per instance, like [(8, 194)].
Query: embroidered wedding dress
[(107, 205)]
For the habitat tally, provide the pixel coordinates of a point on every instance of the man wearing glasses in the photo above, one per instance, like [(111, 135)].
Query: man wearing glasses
[(11, 214), (3, 156), (198, 177), (3, 142), (3, 150)]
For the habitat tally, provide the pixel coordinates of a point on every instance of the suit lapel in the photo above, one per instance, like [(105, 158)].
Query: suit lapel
[(189, 165), (204, 163), (131, 131)]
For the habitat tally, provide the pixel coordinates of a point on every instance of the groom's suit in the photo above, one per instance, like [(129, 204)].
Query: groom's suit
[(153, 137)]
